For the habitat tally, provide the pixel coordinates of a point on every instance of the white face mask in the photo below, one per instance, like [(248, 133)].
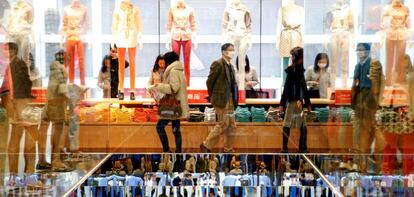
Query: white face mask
[(322, 65)]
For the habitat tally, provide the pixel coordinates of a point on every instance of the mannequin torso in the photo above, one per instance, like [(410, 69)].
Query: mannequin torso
[(126, 25), (74, 20), (181, 22), (340, 19), (237, 21), (396, 21), (20, 20), (290, 28)]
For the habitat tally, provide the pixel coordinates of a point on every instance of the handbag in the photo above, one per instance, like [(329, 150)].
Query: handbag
[(169, 107)]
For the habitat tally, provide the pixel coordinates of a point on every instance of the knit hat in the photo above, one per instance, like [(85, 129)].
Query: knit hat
[(60, 56)]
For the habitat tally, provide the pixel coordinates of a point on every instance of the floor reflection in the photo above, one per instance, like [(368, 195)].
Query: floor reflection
[(52, 183)]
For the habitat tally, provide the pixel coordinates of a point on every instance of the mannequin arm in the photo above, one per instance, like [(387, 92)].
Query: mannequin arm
[(169, 27), (194, 40), (224, 26), (278, 28), (115, 22), (193, 24), (248, 22), (139, 28)]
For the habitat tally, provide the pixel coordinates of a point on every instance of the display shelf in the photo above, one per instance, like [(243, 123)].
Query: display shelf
[(249, 137)]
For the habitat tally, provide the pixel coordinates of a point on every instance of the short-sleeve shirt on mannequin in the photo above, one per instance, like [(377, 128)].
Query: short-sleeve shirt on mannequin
[(181, 23), (126, 25), (237, 21), (20, 19), (396, 22), (75, 20)]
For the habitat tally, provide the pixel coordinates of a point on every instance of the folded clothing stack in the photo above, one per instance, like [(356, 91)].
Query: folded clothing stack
[(311, 116), (31, 114), (343, 114), (102, 112), (122, 115), (152, 114), (195, 115), (243, 114), (274, 115), (322, 114), (140, 115), (88, 115), (258, 114), (209, 115)]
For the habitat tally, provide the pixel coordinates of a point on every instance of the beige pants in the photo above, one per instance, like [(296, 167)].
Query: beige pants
[(395, 51), (226, 124), (340, 49), (14, 109)]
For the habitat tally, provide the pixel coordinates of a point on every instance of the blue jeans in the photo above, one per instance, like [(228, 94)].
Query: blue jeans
[(163, 135)]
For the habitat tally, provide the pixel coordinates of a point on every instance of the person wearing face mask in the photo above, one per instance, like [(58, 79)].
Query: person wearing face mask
[(223, 95), (365, 97), (318, 79), (295, 97)]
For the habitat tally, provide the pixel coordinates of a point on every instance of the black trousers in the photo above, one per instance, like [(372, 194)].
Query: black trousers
[(163, 135)]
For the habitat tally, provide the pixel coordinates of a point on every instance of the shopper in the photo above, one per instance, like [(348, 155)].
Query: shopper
[(365, 96), (295, 97), (104, 77), (223, 95), (318, 78), (17, 88), (250, 78), (173, 82), (114, 70), (157, 71), (55, 108)]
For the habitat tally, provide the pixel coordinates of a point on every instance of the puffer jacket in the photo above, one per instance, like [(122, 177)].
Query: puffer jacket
[(174, 79)]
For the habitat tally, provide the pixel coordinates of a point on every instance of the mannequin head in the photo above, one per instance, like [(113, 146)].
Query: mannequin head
[(181, 3), (341, 2), (75, 2), (126, 1), (397, 2), (236, 2)]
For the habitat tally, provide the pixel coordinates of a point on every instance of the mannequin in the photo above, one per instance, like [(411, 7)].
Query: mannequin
[(127, 32), (289, 32), (181, 30), (340, 22), (395, 22), (19, 27), (75, 22), (237, 30)]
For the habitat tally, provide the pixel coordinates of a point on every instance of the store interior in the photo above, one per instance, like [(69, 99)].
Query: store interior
[(81, 103)]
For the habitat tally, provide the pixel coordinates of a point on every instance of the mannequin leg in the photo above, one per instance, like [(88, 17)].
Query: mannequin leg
[(121, 68), (187, 58), (81, 59), (70, 60), (390, 46), (388, 162), (400, 53), (242, 52), (334, 58), (176, 46), (131, 54), (408, 151), (344, 60), (30, 148)]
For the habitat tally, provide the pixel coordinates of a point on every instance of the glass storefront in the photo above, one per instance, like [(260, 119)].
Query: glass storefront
[(78, 120)]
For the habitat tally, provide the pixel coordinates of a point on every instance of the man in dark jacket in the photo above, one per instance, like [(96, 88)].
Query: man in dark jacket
[(16, 89), (223, 95)]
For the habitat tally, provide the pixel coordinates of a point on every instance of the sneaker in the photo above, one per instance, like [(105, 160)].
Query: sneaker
[(131, 96), (43, 166)]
